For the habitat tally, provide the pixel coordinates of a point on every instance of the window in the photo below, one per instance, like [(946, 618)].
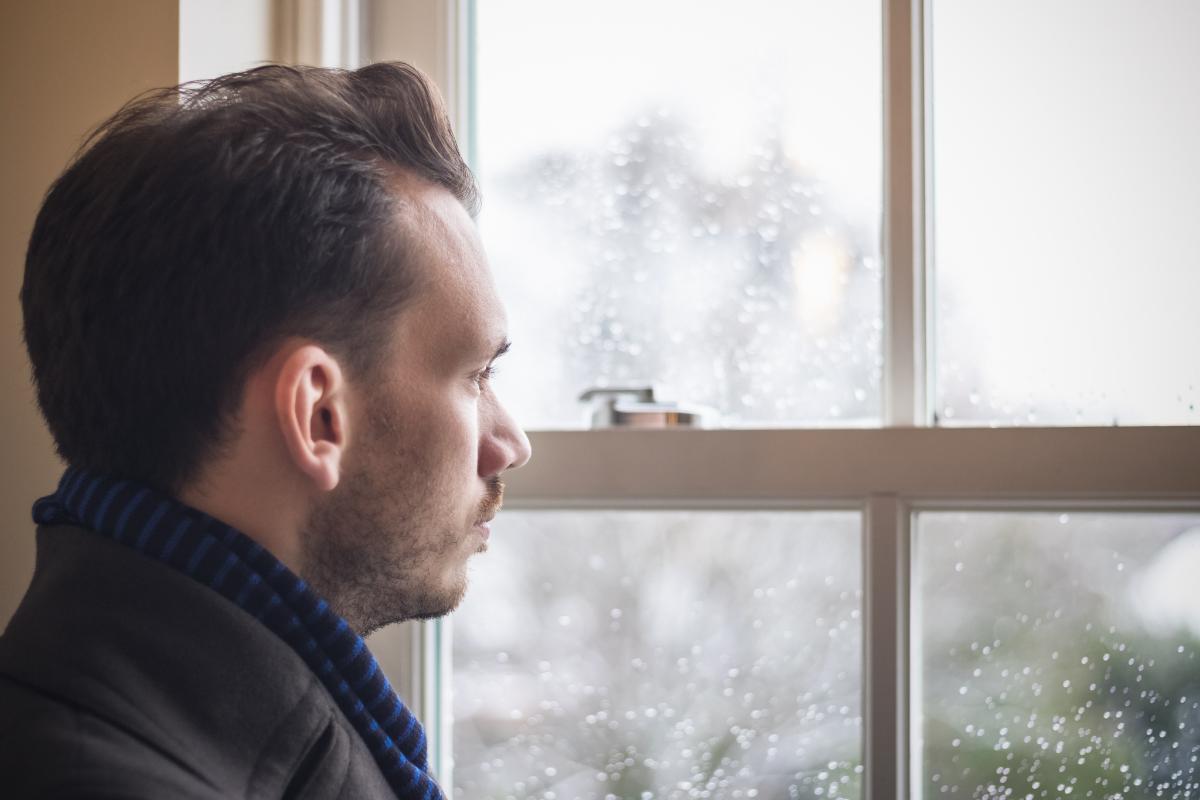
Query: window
[(612, 653), (1058, 653), (916, 472), (702, 211), (1064, 191)]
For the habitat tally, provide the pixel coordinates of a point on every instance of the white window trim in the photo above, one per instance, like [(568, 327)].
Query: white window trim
[(906, 325), (888, 474), (320, 33)]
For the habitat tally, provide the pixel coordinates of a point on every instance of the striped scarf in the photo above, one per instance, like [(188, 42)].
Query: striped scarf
[(236, 566)]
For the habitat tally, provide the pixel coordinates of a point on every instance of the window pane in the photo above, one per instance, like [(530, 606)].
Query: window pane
[(661, 655), (1066, 194), (1058, 655), (686, 193)]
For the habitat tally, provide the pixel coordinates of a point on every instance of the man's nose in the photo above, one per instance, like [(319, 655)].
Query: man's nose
[(507, 446), (522, 450)]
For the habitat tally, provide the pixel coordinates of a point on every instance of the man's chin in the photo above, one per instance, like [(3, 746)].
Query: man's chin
[(429, 615), (434, 610), (445, 602)]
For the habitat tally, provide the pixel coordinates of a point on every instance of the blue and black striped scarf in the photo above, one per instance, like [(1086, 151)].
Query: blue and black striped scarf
[(233, 564)]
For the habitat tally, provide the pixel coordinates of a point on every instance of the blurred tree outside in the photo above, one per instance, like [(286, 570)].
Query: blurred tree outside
[(747, 291)]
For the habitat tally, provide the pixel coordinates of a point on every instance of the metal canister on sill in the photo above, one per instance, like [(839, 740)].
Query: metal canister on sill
[(636, 407)]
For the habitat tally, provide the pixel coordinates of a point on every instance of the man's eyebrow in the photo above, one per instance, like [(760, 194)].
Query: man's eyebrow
[(502, 349)]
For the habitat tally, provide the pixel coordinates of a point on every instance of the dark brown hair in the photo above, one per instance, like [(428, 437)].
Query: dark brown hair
[(203, 223)]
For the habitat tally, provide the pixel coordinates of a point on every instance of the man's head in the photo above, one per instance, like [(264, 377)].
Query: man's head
[(265, 293)]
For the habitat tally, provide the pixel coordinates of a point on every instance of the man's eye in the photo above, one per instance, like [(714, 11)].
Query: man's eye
[(484, 375)]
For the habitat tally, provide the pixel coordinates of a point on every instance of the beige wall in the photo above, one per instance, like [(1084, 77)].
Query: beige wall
[(64, 66)]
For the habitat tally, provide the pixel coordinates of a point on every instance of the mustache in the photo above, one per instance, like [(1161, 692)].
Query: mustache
[(493, 501)]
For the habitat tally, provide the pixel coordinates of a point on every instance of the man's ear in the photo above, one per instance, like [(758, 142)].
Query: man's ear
[(310, 406)]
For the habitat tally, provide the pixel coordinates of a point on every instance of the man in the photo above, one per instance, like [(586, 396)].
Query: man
[(261, 328)]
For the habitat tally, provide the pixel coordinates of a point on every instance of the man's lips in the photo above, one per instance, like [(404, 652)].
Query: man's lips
[(482, 526), (490, 507)]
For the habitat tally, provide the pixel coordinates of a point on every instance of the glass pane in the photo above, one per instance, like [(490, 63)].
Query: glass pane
[(1066, 194), (656, 654), (685, 192), (1058, 655)]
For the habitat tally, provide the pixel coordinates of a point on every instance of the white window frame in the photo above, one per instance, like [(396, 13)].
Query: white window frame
[(888, 474)]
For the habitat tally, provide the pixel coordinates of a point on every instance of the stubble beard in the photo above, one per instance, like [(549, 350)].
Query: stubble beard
[(369, 564), (376, 550)]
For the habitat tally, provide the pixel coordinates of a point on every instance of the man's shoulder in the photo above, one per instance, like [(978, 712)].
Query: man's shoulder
[(51, 748), (114, 658)]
